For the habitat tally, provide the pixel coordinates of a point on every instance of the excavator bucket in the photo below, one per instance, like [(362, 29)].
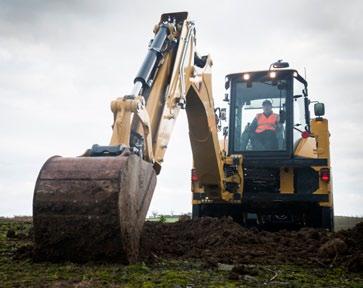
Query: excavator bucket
[(91, 208)]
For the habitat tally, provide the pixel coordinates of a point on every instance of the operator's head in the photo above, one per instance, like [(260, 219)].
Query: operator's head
[(267, 107)]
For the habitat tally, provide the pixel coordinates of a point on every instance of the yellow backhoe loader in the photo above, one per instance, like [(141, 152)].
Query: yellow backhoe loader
[(270, 168)]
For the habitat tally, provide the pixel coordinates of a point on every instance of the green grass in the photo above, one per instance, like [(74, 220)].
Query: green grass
[(163, 218), (24, 272)]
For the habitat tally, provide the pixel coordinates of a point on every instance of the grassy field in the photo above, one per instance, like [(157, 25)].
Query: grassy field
[(17, 269), (343, 222)]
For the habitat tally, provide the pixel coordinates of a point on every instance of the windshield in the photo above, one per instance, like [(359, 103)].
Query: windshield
[(260, 116)]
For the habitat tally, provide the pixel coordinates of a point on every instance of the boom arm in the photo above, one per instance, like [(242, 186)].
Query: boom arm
[(173, 77)]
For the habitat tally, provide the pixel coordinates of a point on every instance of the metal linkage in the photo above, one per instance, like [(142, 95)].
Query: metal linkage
[(190, 34)]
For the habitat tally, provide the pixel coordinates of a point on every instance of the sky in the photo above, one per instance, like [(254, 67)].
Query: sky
[(63, 62)]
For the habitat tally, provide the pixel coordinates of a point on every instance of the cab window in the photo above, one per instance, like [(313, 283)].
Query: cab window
[(260, 116)]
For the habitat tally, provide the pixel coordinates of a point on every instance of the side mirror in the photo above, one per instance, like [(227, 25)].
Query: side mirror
[(319, 109)]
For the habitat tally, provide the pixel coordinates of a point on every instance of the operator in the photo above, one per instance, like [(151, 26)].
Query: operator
[(264, 128)]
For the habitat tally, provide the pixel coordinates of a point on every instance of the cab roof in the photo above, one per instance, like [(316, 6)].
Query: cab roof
[(264, 72)]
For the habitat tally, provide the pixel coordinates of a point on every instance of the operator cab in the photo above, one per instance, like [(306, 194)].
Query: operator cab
[(262, 106)]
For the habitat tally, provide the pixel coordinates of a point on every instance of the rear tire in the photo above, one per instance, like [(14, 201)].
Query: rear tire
[(321, 217)]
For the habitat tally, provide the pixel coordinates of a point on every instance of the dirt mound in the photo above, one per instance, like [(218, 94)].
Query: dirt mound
[(353, 256), (215, 241)]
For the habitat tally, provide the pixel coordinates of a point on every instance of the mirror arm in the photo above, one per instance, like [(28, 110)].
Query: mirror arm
[(307, 111), (299, 130)]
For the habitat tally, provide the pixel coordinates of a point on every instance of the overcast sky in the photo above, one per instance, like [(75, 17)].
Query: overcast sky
[(62, 62)]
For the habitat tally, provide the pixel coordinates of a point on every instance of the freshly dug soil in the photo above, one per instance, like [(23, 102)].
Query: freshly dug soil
[(213, 241)]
